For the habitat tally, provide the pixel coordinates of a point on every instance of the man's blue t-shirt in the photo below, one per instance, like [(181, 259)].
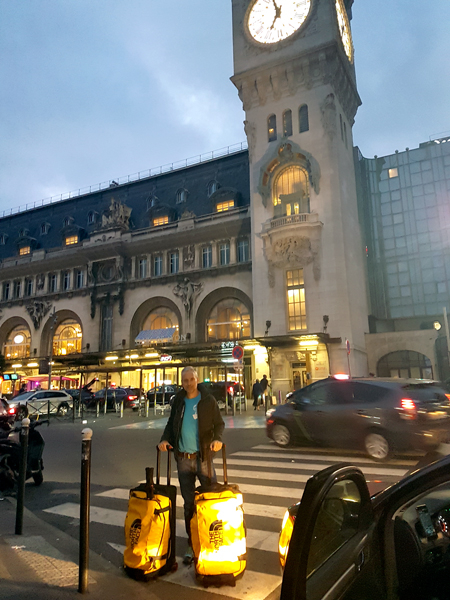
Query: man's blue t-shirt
[(189, 441)]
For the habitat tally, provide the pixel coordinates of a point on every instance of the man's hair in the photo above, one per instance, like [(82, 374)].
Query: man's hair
[(190, 370)]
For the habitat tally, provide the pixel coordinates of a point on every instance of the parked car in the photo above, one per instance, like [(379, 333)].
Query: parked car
[(346, 545), (113, 396), (7, 413), (167, 391), (222, 390), (37, 403), (380, 415), (86, 395)]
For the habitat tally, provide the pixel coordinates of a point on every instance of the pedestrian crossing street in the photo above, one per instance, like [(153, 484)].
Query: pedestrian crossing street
[(270, 478)]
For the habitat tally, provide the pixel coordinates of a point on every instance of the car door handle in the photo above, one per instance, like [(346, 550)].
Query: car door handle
[(360, 561)]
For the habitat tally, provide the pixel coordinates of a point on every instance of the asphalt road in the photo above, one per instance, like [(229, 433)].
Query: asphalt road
[(271, 479)]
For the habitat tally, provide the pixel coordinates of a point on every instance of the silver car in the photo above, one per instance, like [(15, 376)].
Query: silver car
[(42, 402)]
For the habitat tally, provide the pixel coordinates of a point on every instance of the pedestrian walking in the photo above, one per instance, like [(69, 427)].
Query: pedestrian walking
[(265, 389), (256, 393), (194, 430)]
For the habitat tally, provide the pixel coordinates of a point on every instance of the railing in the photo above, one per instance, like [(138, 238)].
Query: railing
[(291, 219), (112, 183)]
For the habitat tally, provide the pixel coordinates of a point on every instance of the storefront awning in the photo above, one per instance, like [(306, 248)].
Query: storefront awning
[(156, 335)]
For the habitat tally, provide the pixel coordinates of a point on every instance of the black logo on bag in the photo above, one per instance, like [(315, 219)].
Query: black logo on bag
[(216, 534), (135, 532)]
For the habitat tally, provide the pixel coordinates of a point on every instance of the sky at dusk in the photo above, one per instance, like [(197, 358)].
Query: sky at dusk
[(93, 90)]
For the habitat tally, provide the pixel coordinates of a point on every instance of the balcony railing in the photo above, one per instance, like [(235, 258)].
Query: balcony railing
[(292, 219)]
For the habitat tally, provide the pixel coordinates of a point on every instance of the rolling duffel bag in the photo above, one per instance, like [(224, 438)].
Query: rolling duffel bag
[(150, 527), (218, 532)]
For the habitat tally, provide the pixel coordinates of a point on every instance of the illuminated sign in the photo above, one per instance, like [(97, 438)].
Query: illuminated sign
[(166, 357)]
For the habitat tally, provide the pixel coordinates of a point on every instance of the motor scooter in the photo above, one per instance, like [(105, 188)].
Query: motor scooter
[(10, 454)]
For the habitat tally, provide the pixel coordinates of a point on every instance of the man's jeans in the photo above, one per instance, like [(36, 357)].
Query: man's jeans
[(188, 470)]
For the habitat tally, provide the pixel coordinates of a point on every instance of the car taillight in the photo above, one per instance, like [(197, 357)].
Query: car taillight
[(448, 397), (11, 411), (408, 407), (132, 397), (230, 389)]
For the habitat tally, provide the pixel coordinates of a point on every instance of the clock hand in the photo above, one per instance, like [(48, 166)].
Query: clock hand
[(277, 14)]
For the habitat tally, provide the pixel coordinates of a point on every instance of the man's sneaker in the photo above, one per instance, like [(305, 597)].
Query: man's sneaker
[(188, 557)]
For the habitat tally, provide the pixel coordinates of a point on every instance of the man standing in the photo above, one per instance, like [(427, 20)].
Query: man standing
[(264, 385), (194, 429)]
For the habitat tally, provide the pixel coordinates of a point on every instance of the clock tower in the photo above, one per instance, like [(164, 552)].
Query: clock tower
[(294, 71)]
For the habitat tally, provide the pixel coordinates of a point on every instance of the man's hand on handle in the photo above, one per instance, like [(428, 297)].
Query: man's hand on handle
[(216, 446), (164, 446)]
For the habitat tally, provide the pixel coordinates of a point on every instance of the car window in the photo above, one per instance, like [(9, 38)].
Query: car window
[(40, 396), (317, 395), (55, 395), (336, 522), (368, 393)]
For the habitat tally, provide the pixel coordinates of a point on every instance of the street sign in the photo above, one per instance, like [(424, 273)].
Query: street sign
[(347, 343), (238, 352)]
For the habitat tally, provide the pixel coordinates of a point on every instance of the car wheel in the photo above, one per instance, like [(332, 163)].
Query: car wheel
[(281, 435), (22, 412), (377, 446), (38, 477), (63, 409)]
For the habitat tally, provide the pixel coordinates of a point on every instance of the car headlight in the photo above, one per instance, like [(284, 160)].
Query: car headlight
[(270, 411)]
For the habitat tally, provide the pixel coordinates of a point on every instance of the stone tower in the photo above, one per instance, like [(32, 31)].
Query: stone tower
[(294, 71)]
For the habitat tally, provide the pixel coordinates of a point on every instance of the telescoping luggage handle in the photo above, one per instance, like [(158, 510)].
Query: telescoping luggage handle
[(224, 460), (158, 465)]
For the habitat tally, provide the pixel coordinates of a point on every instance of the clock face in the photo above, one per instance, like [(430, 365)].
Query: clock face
[(344, 29), (271, 21)]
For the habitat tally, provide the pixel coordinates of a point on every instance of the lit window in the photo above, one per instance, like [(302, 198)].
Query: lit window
[(243, 254), (296, 300), (224, 254), (228, 320), (291, 192), (303, 118), (142, 268), (160, 221), (52, 283), (17, 288), (393, 172), (207, 257), (24, 250), (17, 343), (67, 338), (79, 278), (174, 262), (157, 265), (213, 186), (71, 239), (272, 128), (287, 123), (161, 318), (223, 206)]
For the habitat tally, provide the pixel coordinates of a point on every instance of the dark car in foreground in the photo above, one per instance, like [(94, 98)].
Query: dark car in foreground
[(380, 415), (222, 390), (346, 545)]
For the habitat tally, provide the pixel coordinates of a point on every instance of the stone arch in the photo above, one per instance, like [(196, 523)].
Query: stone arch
[(145, 308), (9, 325), (211, 300), (405, 363), (51, 324)]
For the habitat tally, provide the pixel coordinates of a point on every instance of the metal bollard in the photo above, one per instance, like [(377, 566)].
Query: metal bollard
[(121, 409), (97, 408), (48, 410), (24, 435), (85, 492), (146, 407), (105, 406)]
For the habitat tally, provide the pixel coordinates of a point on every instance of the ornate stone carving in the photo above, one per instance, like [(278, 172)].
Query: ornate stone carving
[(37, 311), (187, 214), (329, 116), (189, 256), (117, 215), (188, 291), (250, 132)]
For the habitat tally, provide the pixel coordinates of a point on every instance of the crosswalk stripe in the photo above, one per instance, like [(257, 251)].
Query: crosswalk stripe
[(328, 458), (307, 466), (256, 538)]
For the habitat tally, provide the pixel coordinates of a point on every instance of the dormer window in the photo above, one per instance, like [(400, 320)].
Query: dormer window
[(157, 221), (71, 239), (23, 232), (224, 206), (182, 195), (91, 218), (3, 238), (152, 201), (213, 186), (67, 221), (24, 250), (44, 228)]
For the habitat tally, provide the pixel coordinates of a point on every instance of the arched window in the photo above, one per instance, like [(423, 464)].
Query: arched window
[(212, 187), (291, 192), (303, 118), (405, 363), (17, 343), (67, 338), (181, 196), (161, 318), (228, 320), (272, 128), (91, 218), (287, 123)]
